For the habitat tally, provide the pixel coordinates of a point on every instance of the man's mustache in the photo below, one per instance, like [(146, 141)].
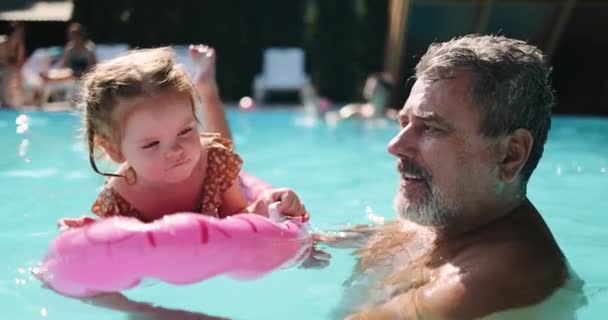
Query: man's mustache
[(406, 166)]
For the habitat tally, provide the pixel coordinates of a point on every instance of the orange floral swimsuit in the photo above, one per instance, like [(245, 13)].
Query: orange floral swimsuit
[(223, 167)]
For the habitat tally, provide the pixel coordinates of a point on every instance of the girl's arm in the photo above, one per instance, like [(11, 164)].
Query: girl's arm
[(65, 57), (233, 201), (91, 56)]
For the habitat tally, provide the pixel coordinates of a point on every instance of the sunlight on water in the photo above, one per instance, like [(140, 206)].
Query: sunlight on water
[(42, 173)]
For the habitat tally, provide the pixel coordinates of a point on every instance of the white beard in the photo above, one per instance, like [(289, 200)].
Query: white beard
[(429, 213)]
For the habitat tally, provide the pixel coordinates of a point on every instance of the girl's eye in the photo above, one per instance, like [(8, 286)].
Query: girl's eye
[(185, 131), (150, 145)]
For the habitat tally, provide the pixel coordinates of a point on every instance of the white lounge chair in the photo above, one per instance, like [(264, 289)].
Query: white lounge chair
[(41, 60), (283, 70)]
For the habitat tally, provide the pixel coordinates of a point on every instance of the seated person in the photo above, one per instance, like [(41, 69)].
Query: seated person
[(78, 56), (79, 52)]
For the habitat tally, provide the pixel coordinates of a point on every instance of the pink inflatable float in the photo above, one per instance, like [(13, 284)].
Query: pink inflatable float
[(114, 254)]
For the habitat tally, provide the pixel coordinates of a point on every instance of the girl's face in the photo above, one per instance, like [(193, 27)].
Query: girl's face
[(160, 140)]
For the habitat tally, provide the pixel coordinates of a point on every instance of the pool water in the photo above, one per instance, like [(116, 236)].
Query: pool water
[(343, 174)]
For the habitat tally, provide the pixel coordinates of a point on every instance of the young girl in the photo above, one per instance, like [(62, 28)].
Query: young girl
[(140, 110)]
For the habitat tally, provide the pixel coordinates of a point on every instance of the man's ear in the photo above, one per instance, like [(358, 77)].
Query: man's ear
[(516, 151), (110, 148)]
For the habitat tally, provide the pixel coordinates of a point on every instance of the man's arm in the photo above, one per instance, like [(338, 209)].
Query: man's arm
[(438, 300), (471, 287), (351, 237)]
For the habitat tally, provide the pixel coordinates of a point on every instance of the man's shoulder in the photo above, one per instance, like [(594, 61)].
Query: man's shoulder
[(491, 277), (516, 253)]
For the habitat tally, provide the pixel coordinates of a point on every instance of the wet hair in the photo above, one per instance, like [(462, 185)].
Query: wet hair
[(138, 73), (511, 85)]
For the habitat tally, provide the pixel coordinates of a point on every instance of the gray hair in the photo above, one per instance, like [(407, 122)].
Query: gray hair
[(511, 85)]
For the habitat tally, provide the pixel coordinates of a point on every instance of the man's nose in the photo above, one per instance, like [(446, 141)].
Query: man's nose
[(403, 144)]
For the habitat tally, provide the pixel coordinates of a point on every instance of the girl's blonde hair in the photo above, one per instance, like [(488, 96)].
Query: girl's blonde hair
[(138, 73)]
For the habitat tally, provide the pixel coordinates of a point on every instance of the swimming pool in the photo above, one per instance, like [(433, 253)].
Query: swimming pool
[(342, 173)]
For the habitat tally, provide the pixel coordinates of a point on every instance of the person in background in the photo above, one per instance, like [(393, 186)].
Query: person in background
[(79, 52), (61, 81), (376, 92), (12, 58)]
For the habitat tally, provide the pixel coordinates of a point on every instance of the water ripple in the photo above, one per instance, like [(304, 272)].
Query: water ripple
[(37, 174)]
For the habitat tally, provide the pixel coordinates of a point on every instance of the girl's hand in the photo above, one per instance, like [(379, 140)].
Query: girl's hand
[(67, 223), (289, 203)]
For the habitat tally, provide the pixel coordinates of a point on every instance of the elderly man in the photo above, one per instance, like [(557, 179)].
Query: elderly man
[(468, 243)]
